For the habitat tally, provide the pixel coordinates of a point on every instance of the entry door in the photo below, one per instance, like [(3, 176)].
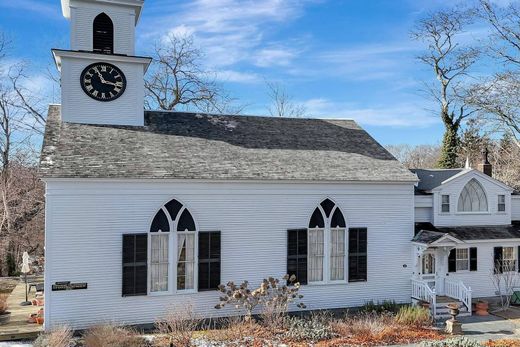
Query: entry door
[(428, 268)]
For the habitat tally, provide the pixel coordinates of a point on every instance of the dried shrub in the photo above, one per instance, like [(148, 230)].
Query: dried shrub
[(3, 303), (414, 316), (57, 337), (270, 292), (371, 329), (452, 342), (503, 343), (237, 330), (315, 327), (112, 336), (177, 327)]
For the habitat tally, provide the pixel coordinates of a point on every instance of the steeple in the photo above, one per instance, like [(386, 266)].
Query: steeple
[(102, 81)]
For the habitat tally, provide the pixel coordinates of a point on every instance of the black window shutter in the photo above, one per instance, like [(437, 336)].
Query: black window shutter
[(297, 254), (209, 260), (452, 261), (473, 259), (135, 269), (497, 259), (357, 254)]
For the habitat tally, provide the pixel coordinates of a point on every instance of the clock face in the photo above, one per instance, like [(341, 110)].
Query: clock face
[(103, 81)]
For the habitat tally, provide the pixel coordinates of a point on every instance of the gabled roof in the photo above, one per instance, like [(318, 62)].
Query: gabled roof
[(428, 234), (178, 145), (432, 178)]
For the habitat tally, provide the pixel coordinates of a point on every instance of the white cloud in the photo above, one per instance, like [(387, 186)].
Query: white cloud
[(237, 76), (229, 31), (397, 115)]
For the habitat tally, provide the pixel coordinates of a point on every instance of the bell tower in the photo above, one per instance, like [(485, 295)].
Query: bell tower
[(102, 81)]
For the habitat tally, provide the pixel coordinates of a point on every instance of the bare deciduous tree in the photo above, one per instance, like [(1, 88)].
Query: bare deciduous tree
[(282, 104), (498, 97), (450, 62), (177, 78), (416, 157), (21, 208), (504, 278)]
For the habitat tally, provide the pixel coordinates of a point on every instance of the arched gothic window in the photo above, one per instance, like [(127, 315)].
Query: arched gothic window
[(173, 229), (472, 198), (103, 35), (327, 243)]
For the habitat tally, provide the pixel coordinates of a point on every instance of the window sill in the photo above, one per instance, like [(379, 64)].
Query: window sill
[(331, 283), (483, 213), (165, 293)]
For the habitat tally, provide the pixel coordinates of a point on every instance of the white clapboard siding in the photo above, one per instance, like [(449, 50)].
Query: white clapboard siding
[(515, 207), (454, 218), (85, 221), (82, 14), (423, 215), (79, 107), (480, 280)]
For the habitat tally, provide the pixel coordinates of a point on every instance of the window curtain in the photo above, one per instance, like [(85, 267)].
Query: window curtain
[(186, 261), (337, 254), (159, 263), (315, 258), (462, 259)]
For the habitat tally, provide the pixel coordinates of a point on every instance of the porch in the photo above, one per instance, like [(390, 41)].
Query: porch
[(431, 280)]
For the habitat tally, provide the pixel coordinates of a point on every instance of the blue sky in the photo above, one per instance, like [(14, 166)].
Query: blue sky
[(341, 58)]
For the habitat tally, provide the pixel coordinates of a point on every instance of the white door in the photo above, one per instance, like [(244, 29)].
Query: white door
[(428, 268)]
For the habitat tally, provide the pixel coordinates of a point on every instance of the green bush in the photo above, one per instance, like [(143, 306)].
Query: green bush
[(414, 316), (380, 307), (453, 342), (316, 327)]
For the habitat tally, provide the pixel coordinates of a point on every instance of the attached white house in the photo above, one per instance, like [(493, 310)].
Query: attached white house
[(145, 210), (465, 232)]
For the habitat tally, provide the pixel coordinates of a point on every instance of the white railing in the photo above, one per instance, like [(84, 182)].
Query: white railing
[(422, 291), (457, 290)]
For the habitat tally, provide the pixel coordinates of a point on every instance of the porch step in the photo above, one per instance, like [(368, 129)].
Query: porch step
[(441, 311)]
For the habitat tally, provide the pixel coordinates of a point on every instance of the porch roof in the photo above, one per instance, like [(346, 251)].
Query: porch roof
[(426, 233)]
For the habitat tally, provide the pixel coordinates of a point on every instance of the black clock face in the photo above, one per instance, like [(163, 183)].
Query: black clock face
[(103, 81)]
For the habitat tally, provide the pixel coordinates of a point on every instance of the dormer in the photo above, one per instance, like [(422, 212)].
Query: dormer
[(103, 26)]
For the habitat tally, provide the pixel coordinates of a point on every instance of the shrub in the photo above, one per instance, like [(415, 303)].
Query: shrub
[(312, 328), (176, 329), (57, 337), (270, 292), (414, 316), (367, 324), (112, 336), (3, 303), (452, 342), (380, 307), (235, 330)]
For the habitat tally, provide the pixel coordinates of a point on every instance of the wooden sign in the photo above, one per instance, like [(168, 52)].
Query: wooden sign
[(66, 285)]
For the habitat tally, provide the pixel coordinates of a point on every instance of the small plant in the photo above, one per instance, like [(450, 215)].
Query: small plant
[(111, 336), (57, 337), (414, 316), (452, 342), (316, 327), (176, 329), (380, 307), (270, 293)]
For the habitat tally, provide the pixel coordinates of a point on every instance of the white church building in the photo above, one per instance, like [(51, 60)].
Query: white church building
[(146, 209)]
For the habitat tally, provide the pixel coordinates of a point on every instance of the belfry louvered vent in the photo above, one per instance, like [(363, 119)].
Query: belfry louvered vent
[(103, 34)]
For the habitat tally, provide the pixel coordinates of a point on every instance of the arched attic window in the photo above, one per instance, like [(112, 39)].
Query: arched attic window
[(472, 198), (103, 34), (327, 235), (173, 229)]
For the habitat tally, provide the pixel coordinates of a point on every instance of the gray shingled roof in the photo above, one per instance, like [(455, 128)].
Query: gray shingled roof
[(432, 178), (200, 146), (428, 233)]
